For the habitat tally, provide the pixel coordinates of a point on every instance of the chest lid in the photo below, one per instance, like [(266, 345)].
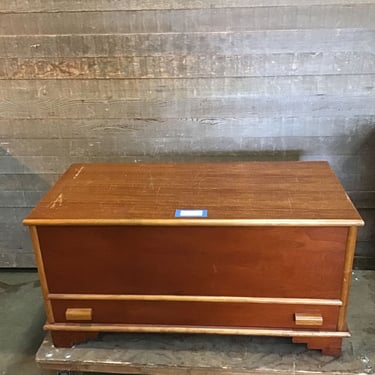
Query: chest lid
[(229, 193)]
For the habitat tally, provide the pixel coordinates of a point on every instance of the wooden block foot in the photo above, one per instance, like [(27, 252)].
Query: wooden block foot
[(62, 339), (328, 345)]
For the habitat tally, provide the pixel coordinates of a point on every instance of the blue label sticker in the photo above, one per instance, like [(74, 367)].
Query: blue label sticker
[(191, 213)]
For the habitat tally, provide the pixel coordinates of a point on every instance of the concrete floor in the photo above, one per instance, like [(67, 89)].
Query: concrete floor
[(22, 317), (21, 320)]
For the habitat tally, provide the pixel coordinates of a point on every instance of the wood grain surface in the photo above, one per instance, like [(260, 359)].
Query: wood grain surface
[(266, 191), (191, 298), (122, 227), (197, 261), (190, 313)]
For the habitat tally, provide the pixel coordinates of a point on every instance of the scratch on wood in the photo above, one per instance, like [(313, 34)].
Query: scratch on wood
[(151, 182), (290, 204), (57, 202), (214, 268), (78, 172)]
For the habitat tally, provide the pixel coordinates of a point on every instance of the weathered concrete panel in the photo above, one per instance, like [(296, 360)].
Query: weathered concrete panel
[(133, 144), (241, 107), (152, 89), (54, 6), (223, 43), (189, 66), (161, 80), (361, 127), (26, 181), (190, 20)]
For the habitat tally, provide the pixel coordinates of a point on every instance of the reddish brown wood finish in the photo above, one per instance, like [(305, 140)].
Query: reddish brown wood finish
[(228, 261), (328, 345), (63, 339), (255, 190), (197, 313), (274, 230)]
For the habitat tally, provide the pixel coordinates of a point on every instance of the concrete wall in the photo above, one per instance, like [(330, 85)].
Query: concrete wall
[(142, 80)]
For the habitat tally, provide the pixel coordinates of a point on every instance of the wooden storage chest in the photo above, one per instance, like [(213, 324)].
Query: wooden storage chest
[(258, 248)]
